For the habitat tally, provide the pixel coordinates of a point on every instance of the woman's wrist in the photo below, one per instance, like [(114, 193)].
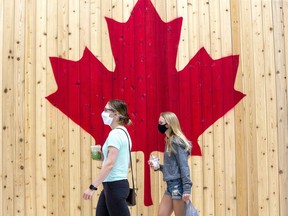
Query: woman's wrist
[(92, 187)]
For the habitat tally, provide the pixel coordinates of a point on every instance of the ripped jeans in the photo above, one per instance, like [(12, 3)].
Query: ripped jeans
[(174, 188)]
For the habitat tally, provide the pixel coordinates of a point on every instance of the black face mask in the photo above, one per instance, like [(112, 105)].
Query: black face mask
[(162, 128)]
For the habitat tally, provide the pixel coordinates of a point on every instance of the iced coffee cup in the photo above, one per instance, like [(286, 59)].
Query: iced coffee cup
[(96, 152)]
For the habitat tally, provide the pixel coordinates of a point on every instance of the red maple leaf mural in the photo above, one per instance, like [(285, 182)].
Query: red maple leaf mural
[(145, 49)]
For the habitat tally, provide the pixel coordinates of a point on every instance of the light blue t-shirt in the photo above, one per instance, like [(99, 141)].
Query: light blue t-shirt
[(118, 139)]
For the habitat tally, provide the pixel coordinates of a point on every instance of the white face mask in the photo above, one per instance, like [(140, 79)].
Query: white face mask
[(106, 118)]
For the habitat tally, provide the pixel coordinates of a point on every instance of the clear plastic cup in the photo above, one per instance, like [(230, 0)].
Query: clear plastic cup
[(155, 162), (96, 152)]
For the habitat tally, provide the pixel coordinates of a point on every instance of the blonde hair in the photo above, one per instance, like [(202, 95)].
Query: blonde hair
[(176, 132)]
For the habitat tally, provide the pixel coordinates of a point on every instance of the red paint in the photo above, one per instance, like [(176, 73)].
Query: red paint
[(145, 50)]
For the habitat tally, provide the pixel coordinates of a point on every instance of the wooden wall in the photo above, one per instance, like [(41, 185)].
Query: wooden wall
[(45, 159)]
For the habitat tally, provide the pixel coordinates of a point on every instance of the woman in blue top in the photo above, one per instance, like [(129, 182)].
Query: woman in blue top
[(175, 169), (116, 159)]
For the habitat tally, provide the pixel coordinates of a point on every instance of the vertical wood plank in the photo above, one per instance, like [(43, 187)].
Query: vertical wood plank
[(140, 157), (284, 117), (30, 109), (260, 102), (240, 149), (74, 129), (128, 5), (8, 108), (161, 8), (218, 128), (229, 118), (249, 103), (280, 51), (196, 164), (207, 136), (138, 161), (106, 52), (52, 127), (183, 59), (96, 23), (95, 31), (85, 139), (285, 30), (62, 120), (193, 27), (156, 180), (19, 183), (215, 29), (272, 145), (284, 139), (41, 136), (1, 104), (158, 186)]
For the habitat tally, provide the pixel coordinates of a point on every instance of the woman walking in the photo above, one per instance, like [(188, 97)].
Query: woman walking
[(116, 159)]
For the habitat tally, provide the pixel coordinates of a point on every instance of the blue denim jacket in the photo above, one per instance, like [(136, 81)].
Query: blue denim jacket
[(176, 165)]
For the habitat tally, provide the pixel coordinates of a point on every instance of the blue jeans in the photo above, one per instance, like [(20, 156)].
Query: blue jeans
[(112, 200), (174, 188)]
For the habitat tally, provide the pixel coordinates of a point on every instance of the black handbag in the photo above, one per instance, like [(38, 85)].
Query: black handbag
[(131, 199)]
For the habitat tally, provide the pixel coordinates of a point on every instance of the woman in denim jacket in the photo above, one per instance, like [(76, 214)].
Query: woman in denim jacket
[(175, 169)]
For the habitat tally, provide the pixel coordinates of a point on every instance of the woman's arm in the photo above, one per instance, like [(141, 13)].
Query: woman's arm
[(106, 168), (182, 161)]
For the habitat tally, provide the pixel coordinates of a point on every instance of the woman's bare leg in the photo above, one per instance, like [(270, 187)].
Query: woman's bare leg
[(178, 207), (166, 206)]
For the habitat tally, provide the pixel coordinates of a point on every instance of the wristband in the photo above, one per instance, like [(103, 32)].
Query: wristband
[(92, 187)]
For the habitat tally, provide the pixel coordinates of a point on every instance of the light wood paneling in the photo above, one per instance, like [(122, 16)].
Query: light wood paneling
[(19, 74), (271, 131), (208, 171), (1, 101), (260, 106), (74, 130), (280, 55), (41, 104), (45, 156), (8, 100), (249, 115), (52, 157), (86, 141), (30, 110), (62, 121)]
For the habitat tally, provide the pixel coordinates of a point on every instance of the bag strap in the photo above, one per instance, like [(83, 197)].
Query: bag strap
[(130, 156)]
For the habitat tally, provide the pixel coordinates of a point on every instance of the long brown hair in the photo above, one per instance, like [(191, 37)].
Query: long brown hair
[(121, 107)]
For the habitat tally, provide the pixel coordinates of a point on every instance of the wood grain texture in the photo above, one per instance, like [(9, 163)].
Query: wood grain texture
[(45, 157), (280, 56), (40, 102), (1, 101), (19, 74)]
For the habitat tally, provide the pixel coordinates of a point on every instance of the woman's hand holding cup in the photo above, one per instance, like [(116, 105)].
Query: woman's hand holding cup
[(96, 153)]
